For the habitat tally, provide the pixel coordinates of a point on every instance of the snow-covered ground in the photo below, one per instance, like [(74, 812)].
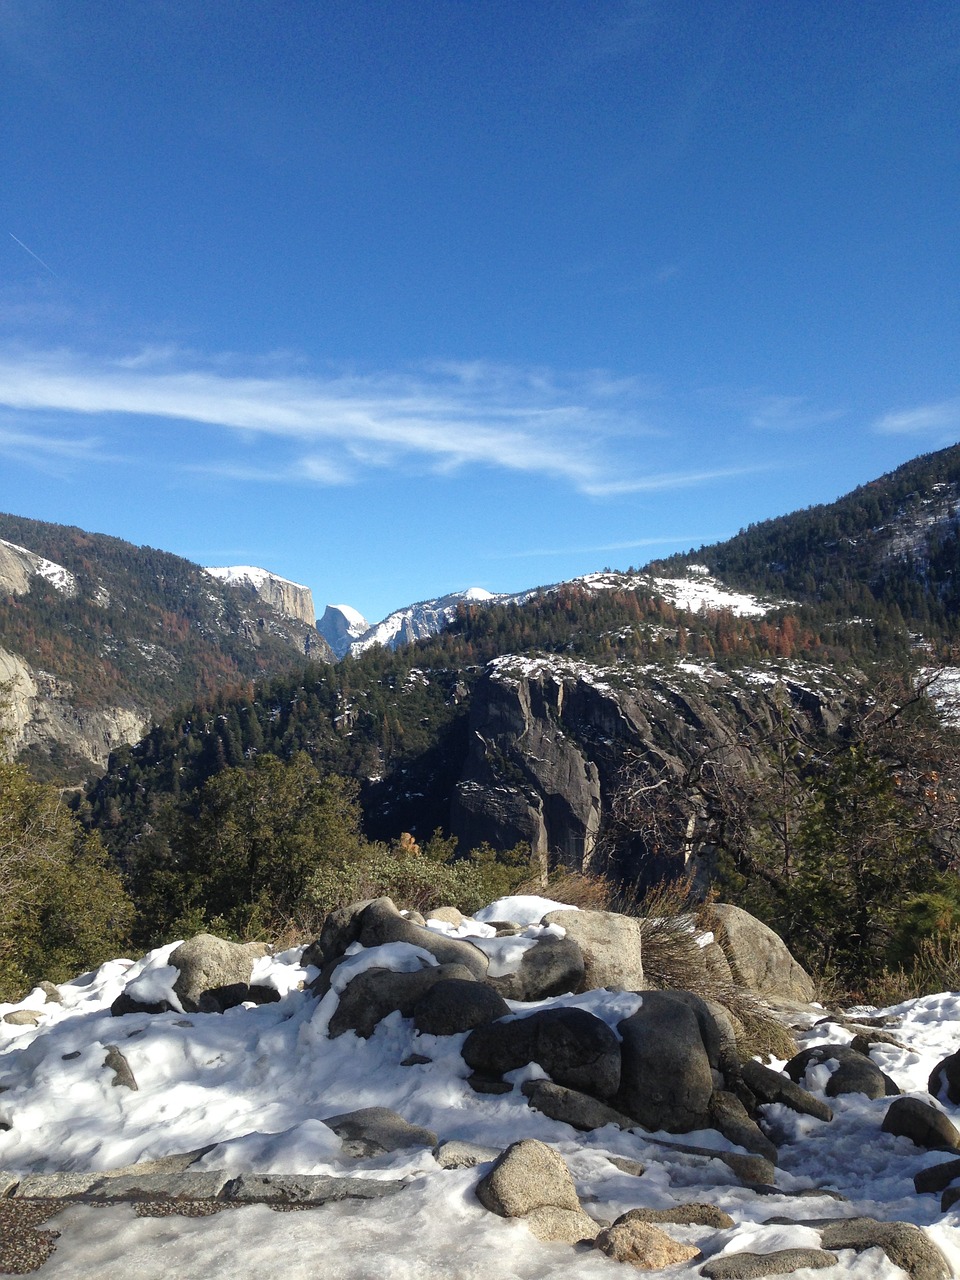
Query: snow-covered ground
[(258, 1081)]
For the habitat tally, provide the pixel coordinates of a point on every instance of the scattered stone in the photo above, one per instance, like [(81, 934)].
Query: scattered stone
[(487, 1084), (571, 1107), (51, 992), (753, 1171), (684, 1215), (415, 1060), (772, 1086), (863, 1041), (126, 1003), (372, 1131), (207, 966), (122, 1075), (527, 1176), (944, 1081), (949, 1198), (289, 1188), (666, 1080), (609, 944), (758, 957), (22, 1017), (751, 1266), (463, 1155), (575, 1048), (551, 967), (922, 1123), (626, 1165), (453, 1005), (565, 1226), (22, 1247), (644, 1245)]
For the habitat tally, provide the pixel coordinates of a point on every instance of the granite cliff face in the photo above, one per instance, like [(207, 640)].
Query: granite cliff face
[(290, 599), (549, 738), (39, 711)]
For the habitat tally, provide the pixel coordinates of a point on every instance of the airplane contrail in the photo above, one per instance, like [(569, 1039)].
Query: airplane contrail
[(34, 255)]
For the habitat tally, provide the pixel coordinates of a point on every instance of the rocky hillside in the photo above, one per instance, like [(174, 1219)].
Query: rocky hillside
[(99, 638)]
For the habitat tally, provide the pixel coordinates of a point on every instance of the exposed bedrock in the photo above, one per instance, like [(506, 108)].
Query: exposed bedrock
[(548, 740)]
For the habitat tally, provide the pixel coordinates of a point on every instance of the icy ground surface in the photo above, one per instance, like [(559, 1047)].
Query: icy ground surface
[(258, 1081)]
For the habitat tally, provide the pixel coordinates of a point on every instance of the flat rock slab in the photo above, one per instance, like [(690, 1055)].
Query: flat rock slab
[(121, 1186), (904, 1244), (291, 1188), (373, 1131), (56, 1185), (160, 1186), (751, 1266), (9, 1183), (685, 1215), (752, 1170)]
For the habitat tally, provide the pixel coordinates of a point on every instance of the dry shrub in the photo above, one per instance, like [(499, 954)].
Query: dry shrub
[(670, 919), (590, 891)]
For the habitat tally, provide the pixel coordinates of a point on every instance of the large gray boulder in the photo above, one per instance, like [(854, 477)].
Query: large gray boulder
[(758, 957), (453, 1005), (381, 922), (551, 967), (374, 993), (854, 1072), (573, 1047), (610, 945), (214, 973), (666, 1080), (944, 1082)]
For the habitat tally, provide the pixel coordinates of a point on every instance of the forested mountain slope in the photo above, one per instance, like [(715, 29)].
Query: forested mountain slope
[(891, 546), (99, 637)]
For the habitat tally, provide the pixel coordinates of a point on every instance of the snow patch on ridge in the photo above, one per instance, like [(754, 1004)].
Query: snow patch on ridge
[(58, 577), (248, 575)]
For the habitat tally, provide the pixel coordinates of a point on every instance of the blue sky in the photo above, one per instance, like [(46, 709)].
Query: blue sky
[(398, 298)]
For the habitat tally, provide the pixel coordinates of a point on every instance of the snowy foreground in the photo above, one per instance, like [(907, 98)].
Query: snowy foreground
[(258, 1081)]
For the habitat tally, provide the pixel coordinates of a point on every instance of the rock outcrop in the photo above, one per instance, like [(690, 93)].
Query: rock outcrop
[(290, 599), (548, 738)]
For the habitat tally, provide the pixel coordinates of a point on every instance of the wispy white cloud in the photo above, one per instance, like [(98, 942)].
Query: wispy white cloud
[(944, 416), (441, 418), (788, 413), (668, 480), (54, 454)]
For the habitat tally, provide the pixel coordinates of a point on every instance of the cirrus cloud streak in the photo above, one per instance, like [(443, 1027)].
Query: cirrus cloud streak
[(441, 418)]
